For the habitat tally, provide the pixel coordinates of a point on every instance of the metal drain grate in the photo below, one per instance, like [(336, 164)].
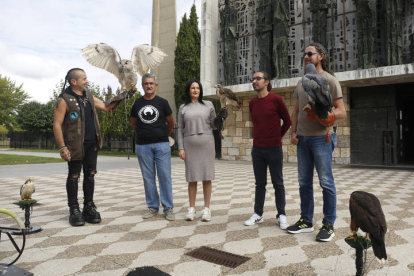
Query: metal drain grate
[(217, 256)]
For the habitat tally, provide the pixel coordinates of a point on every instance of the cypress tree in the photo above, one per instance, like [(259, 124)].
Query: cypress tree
[(187, 55)]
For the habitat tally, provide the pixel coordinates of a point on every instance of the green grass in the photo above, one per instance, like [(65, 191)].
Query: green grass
[(11, 159), (102, 152), (114, 153)]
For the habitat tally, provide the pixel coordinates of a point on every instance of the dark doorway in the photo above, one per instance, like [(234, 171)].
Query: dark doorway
[(382, 125), (405, 123)]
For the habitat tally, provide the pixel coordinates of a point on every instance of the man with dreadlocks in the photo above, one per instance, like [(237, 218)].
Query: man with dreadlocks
[(314, 150), (77, 134)]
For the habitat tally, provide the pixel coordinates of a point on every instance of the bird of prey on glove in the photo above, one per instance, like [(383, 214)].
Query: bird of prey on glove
[(227, 96), (144, 57), (317, 88)]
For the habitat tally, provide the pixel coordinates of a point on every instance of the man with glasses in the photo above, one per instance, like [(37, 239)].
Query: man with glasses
[(314, 150), (152, 121), (267, 110)]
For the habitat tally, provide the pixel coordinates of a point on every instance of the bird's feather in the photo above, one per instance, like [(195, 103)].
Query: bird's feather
[(27, 189), (317, 87), (145, 57), (103, 56), (227, 97), (367, 214)]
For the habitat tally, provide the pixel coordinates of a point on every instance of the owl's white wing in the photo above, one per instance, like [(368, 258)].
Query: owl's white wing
[(145, 57), (103, 56)]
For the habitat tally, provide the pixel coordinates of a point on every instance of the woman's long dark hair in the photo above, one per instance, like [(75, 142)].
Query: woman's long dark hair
[(187, 91), (325, 61)]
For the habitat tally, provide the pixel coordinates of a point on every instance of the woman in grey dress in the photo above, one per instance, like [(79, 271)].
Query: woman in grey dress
[(196, 145)]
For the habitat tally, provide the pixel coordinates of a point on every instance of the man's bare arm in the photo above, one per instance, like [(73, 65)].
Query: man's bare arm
[(59, 116), (339, 111), (294, 119), (170, 122), (134, 123)]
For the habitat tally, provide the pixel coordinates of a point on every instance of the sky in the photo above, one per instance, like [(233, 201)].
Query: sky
[(41, 40)]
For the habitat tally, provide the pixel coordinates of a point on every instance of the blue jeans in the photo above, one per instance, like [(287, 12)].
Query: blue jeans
[(314, 152), (151, 156), (272, 158)]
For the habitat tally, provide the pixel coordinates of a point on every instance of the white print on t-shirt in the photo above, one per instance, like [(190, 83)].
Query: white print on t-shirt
[(148, 114)]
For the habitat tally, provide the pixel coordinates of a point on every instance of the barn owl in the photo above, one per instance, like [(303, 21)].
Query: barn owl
[(144, 57)]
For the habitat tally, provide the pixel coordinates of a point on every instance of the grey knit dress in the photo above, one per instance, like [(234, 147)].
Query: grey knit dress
[(195, 136)]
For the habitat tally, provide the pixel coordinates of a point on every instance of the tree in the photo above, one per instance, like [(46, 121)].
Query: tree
[(3, 132), (119, 123), (36, 118), (11, 97), (187, 55), (93, 88)]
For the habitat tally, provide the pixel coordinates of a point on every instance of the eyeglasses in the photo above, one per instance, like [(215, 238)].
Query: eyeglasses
[(256, 78), (309, 54)]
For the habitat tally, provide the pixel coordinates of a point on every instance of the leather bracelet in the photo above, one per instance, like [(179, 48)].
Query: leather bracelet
[(62, 148)]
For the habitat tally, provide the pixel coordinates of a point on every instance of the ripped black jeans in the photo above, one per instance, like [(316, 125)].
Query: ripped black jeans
[(89, 170)]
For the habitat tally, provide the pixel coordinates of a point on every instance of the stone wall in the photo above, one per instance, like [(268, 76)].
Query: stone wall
[(238, 133)]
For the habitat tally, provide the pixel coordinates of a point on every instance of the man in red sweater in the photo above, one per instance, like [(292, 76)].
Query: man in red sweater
[(267, 111)]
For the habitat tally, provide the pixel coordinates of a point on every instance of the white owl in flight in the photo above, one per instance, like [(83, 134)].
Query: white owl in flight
[(144, 57)]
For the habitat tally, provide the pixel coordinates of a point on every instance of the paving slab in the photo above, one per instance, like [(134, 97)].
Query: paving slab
[(124, 240)]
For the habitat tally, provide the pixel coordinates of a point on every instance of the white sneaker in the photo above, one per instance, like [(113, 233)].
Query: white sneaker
[(283, 224), (206, 214), (191, 213), (255, 218)]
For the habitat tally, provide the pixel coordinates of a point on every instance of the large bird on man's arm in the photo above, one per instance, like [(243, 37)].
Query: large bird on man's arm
[(317, 88), (144, 57), (366, 213)]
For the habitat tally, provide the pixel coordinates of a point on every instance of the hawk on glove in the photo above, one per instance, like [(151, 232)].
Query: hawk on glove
[(227, 97)]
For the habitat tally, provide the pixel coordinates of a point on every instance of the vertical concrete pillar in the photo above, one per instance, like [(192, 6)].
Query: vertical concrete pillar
[(209, 37), (164, 34)]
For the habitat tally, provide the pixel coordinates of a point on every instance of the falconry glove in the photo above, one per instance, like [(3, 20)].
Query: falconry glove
[(221, 117), (311, 115), (120, 97)]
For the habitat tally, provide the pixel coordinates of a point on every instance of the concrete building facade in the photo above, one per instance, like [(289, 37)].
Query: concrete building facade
[(377, 89), (164, 33)]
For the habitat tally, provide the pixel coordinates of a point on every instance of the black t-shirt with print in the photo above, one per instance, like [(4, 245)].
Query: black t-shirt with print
[(151, 123)]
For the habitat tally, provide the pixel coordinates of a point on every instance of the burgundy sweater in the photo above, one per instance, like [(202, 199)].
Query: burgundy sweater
[(266, 114)]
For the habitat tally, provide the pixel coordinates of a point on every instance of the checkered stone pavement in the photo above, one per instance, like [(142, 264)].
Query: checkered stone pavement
[(124, 241)]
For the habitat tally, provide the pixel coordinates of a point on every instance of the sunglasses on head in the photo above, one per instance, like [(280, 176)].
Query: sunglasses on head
[(309, 54)]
